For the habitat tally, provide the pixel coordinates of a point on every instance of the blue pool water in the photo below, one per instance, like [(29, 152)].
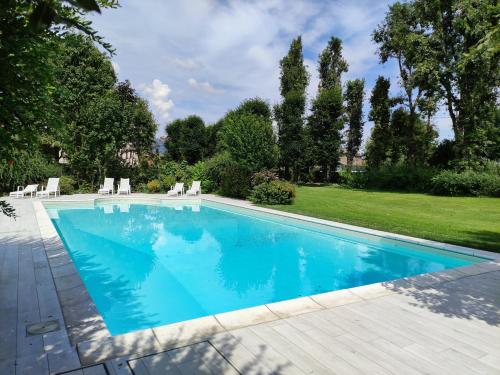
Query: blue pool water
[(149, 265)]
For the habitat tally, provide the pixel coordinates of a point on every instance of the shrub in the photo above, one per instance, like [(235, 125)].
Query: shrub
[(199, 172), (67, 185), (167, 182), (357, 180), (26, 168), (86, 187), (466, 183), (273, 192), (263, 176), (398, 177), (153, 186)]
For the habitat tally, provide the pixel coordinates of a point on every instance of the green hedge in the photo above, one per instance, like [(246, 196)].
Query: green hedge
[(399, 178), (273, 192), (466, 183)]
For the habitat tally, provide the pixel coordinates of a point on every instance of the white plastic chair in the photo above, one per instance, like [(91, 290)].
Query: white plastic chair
[(177, 190), (51, 188), (195, 188), (108, 187), (124, 186), (21, 192)]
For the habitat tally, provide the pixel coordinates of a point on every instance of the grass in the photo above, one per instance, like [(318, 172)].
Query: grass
[(466, 221)]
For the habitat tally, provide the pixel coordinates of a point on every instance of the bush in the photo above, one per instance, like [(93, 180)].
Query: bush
[(67, 185), (85, 188), (263, 176), (26, 168), (199, 172), (400, 178), (466, 183), (153, 186), (356, 180), (167, 182), (273, 192)]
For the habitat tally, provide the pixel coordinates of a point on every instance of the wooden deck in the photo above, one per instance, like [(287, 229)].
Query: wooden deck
[(446, 327)]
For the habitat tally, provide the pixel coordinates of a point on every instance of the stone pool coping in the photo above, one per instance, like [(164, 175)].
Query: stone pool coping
[(87, 329)]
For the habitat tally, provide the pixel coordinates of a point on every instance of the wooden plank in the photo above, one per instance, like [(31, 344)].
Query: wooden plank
[(240, 357), (297, 352), (354, 358), (266, 353), (372, 352)]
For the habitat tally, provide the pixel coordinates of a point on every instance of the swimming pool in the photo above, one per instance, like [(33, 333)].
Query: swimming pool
[(147, 265)]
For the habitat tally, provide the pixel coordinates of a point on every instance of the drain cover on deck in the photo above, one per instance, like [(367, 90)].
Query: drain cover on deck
[(42, 327)]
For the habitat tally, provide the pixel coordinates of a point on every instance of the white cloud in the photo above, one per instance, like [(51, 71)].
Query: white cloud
[(157, 95), (187, 64), (203, 86)]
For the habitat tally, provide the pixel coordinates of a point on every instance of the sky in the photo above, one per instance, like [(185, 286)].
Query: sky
[(204, 57)]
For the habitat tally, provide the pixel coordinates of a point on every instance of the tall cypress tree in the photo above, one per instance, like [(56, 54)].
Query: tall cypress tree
[(379, 146), (289, 115), (325, 123), (354, 108)]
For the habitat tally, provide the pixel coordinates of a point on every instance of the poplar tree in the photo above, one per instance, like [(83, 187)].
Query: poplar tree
[(326, 122), (379, 145), (354, 109), (289, 115)]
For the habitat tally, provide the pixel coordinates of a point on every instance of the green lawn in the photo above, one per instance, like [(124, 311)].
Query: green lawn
[(466, 221)]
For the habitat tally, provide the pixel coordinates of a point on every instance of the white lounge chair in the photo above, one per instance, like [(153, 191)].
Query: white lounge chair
[(195, 188), (124, 186), (177, 190), (21, 192), (108, 187), (51, 188)]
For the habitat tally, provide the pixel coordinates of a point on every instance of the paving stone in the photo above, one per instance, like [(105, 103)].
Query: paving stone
[(336, 298), (32, 365), (177, 334), (64, 270), (63, 360), (95, 351), (8, 366), (74, 296), (245, 317), (67, 282), (285, 309), (95, 370)]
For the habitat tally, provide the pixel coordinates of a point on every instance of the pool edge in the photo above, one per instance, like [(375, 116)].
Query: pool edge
[(97, 345)]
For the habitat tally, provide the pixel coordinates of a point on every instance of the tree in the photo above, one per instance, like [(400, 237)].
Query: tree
[(379, 145), (326, 123), (97, 137), (354, 109), (331, 65), (186, 139), (418, 138), (255, 106), (451, 50), (213, 138), (250, 141), (98, 117), (289, 115), (30, 31), (400, 37)]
